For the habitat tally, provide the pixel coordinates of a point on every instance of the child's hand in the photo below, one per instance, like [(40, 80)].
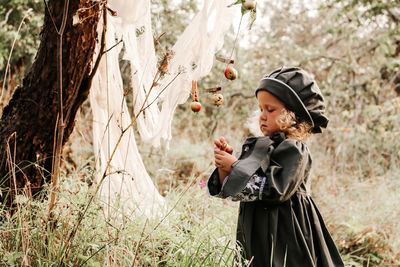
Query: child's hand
[(223, 160), (219, 142), (223, 145)]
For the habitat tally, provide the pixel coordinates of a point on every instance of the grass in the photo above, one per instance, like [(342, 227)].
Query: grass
[(355, 185), (192, 235), (200, 230), (358, 209)]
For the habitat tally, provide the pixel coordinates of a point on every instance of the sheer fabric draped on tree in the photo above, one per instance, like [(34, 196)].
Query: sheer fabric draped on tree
[(127, 186)]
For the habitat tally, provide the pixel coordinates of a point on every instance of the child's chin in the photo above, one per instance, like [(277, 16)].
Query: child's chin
[(265, 133)]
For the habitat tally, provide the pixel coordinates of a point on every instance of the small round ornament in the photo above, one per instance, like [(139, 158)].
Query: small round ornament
[(217, 99), (230, 73)]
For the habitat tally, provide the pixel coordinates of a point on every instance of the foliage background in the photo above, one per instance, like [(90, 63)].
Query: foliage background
[(352, 47)]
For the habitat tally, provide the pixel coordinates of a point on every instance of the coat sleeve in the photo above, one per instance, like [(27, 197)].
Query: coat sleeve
[(255, 154), (289, 165), (251, 192), (213, 185)]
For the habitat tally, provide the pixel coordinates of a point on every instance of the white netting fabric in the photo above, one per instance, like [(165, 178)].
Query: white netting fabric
[(127, 182)]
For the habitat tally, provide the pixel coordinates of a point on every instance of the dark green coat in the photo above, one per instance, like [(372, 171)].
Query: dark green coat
[(279, 222)]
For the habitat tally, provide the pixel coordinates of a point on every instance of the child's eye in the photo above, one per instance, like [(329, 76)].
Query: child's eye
[(270, 110)]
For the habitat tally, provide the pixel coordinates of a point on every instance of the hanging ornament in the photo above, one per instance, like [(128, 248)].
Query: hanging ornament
[(249, 4), (217, 99), (231, 73), (195, 106)]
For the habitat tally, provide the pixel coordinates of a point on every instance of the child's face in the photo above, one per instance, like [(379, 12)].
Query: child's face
[(270, 108)]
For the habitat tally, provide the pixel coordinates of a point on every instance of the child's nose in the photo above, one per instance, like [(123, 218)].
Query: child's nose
[(263, 115)]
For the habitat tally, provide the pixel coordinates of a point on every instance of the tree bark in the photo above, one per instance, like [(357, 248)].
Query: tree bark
[(34, 108)]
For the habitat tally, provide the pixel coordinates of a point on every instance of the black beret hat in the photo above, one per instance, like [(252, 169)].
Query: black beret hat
[(300, 94)]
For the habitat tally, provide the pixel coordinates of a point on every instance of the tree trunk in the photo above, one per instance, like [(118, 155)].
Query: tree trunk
[(33, 111)]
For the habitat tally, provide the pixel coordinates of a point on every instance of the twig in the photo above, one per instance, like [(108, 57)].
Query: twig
[(73, 232), (140, 241), (168, 213), (163, 90), (76, 90), (54, 146), (60, 122), (120, 41), (157, 42), (105, 173), (51, 15), (86, 18), (81, 215), (318, 57), (64, 21), (241, 95), (102, 47), (11, 165), (159, 37), (82, 9), (11, 51)]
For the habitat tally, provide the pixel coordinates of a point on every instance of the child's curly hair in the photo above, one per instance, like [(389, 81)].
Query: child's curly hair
[(294, 130)]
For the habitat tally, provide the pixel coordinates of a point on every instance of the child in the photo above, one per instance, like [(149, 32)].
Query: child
[(279, 224)]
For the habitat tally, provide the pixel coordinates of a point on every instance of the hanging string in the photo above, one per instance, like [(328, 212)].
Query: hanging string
[(233, 49), (237, 35)]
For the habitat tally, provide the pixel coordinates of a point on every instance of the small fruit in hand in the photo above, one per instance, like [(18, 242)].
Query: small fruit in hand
[(195, 106), (223, 146), (249, 4), (227, 148), (230, 73), (217, 99)]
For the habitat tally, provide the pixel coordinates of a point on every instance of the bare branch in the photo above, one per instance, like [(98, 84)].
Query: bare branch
[(162, 90), (51, 15), (102, 47), (120, 41), (241, 95)]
